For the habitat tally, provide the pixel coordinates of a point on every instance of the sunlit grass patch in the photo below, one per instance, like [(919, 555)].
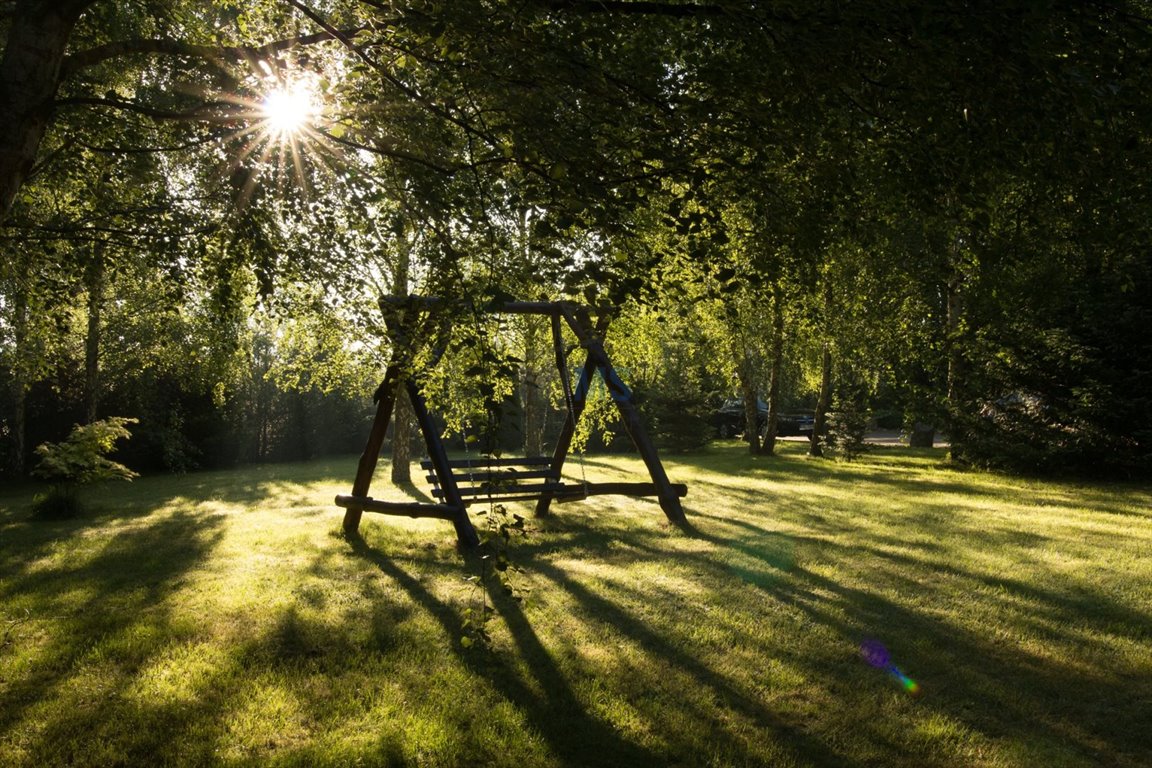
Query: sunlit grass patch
[(222, 618)]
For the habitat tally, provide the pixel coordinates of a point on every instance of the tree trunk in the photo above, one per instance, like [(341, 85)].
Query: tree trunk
[(746, 377), (29, 79), (956, 368), (823, 403), (403, 420), (94, 277), (775, 374), (532, 398), (20, 378), (403, 417), (751, 409)]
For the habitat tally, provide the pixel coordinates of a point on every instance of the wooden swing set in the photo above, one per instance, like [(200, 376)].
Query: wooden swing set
[(460, 482)]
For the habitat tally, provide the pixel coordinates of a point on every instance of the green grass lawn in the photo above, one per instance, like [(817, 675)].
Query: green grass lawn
[(220, 618)]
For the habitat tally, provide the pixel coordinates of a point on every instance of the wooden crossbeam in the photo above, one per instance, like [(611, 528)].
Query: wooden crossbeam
[(406, 508), (680, 490)]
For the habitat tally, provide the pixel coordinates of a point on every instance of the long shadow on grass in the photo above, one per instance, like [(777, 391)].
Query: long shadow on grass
[(576, 737), (1032, 695), (713, 694), (104, 611), (249, 485), (994, 686), (718, 690), (983, 679)]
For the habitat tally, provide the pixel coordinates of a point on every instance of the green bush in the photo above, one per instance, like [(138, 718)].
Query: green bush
[(677, 424), (78, 460), (847, 427)]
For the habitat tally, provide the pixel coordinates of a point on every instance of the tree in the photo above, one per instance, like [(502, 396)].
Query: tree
[(921, 173), (38, 32)]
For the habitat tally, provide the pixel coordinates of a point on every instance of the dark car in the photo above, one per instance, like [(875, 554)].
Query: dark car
[(795, 424), (729, 421)]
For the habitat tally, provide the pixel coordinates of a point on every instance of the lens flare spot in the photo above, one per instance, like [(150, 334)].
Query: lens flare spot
[(876, 655)]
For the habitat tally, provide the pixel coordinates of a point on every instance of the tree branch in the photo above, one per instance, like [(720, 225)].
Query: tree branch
[(387, 152), (640, 8), (216, 54), (410, 92), (196, 114), (113, 150)]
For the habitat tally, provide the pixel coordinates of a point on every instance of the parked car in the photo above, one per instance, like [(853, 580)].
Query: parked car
[(795, 424), (729, 421)]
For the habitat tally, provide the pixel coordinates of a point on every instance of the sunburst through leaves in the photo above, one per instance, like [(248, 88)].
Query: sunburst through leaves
[(288, 109)]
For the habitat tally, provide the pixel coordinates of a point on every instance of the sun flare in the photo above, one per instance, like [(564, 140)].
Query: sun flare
[(288, 109), (282, 129)]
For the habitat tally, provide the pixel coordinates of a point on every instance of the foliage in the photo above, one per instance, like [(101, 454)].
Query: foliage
[(678, 422), (848, 423), (80, 459), (953, 201), (495, 576)]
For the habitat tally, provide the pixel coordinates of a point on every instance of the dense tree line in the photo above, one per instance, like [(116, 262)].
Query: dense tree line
[(940, 211)]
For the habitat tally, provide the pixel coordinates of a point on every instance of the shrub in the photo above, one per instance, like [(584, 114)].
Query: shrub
[(78, 460), (847, 426)]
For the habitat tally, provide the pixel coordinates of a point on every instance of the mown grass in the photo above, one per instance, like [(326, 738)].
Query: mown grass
[(220, 619)]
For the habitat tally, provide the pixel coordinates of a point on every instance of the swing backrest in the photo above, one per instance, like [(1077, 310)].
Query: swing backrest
[(499, 479)]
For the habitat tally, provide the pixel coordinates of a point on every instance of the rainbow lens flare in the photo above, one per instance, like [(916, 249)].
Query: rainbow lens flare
[(874, 652)]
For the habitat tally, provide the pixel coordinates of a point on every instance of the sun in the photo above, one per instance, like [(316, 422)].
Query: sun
[(288, 109), (283, 124)]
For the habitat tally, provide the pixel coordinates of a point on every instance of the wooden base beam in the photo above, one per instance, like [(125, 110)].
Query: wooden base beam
[(407, 508)]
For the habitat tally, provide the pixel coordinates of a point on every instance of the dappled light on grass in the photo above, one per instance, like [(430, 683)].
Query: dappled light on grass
[(224, 617)]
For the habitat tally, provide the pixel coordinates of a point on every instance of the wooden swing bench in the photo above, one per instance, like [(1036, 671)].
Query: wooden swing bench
[(498, 480), (458, 483)]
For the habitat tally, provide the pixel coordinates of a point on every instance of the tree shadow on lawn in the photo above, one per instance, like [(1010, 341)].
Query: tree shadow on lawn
[(96, 618), (714, 697), (575, 736), (246, 486), (917, 515), (1043, 694), (914, 471), (1059, 706)]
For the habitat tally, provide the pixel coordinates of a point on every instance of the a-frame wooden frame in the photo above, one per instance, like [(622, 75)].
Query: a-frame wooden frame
[(445, 475)]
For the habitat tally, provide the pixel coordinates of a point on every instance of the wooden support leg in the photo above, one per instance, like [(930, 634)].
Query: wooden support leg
[(669, 499), (568, 431), (385, 400), (465, 532)]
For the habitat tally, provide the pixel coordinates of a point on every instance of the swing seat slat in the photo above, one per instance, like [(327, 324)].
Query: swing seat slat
[(507, 476), (500, 479), (484, 462), (483, 492)]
